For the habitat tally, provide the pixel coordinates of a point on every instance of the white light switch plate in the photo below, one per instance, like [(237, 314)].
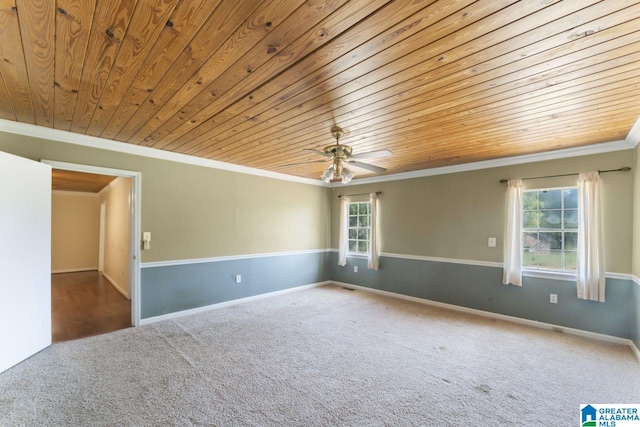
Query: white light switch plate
[(492, 242)]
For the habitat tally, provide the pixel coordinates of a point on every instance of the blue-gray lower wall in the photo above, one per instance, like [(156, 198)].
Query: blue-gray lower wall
[(636, 320), (169, 289), (480, 287)]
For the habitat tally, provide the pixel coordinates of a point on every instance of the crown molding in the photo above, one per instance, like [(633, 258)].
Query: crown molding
[(604, 147), (137, 150), (633, 137), (630, 142)]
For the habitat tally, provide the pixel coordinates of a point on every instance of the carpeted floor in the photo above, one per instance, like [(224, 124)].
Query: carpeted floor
[(320, 357)]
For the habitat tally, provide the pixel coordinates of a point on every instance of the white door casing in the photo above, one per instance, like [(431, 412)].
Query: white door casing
[(25, 258)]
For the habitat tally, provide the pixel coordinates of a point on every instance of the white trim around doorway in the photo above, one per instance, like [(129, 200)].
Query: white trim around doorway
[(135, 215)]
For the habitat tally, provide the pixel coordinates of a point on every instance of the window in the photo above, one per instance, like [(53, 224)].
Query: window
[(359, 227), (550, 229)]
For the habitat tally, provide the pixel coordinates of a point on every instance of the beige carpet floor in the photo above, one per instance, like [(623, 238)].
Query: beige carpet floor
[(320, 357)]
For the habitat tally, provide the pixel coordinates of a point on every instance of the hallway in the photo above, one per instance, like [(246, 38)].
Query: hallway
[(84, 304)]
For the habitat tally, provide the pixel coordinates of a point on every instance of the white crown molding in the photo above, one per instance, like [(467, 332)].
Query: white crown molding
[(137, 150), (604, 147), (633, 137), (227, 258)]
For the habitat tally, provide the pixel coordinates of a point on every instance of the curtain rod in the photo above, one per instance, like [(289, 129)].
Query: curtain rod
[(360, 194), (624, 169)]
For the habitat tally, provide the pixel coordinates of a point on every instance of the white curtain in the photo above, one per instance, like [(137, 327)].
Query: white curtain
[(591, 268), (344, 231), (513, 235), (374, 238)]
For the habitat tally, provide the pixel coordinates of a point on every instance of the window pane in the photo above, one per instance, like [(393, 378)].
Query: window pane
[(353, 209), (571, 219), (551, 199), (549, 241), (530, 200), (529, 258), (570, 260), (550, 260), (353, 221), (570, 241), (530, 219), (530, 240), (353, 245), (570, 198), (363, 234), (353, 233), (364, 208), (551, 219), (363, 221), (363, 247)]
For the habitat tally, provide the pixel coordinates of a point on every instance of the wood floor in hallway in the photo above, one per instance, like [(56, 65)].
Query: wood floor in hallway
[(84, 304)]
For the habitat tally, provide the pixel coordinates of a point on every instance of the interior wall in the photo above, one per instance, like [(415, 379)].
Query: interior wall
[(636, 213), (198, 212), (209, 227), (453, 215), (117, 243), (75, 229), (636, 245), (443, 219)]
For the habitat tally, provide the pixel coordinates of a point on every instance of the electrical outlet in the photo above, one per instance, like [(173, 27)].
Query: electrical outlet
[(492, 242), (238, 278), (553, 298), (355, 268)]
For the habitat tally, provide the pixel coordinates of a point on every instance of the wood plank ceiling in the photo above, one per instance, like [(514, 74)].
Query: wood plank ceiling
[(256, 82), (64, 180)]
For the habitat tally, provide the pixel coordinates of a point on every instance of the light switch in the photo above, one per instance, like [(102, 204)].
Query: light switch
[(492, 242), (146, 240)]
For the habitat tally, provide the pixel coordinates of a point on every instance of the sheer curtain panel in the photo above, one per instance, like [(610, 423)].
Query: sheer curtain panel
[(374, 245), (344, 230), (591, 269), (512, 273)]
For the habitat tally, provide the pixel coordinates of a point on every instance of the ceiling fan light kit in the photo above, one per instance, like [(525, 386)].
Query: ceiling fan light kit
[(341, 155)]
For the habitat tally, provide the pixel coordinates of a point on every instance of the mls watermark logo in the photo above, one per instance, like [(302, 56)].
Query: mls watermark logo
[(610, 415)]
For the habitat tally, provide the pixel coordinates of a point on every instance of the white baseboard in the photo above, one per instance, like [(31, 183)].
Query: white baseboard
[(512, 319), (635, 349), (228, 303), (116, 285), (74, 270)]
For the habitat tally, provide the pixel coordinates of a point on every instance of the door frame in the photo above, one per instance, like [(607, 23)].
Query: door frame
[(135, 209)]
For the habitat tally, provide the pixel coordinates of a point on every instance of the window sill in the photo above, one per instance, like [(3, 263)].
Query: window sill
[(544, 274), (362, 256)]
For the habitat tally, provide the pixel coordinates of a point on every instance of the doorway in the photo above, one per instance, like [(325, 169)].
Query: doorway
[(111, 288)]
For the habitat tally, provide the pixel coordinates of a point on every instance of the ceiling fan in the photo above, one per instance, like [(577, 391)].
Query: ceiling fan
[(342, 155)]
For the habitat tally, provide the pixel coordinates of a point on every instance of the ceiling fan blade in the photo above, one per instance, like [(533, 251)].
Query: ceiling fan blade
[(372, 155), (322, 153), (367, 166)]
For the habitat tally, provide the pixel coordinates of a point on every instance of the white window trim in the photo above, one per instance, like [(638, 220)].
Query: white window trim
[(546, 273), (359, 254)]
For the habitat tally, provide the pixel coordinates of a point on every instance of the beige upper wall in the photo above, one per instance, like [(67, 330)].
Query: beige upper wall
[(75, 228), (635, 264), (117, 247), (198, 212), (453, 215)]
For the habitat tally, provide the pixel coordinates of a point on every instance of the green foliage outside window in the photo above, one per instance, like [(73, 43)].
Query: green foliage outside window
[(359, 227), (550, 229)]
